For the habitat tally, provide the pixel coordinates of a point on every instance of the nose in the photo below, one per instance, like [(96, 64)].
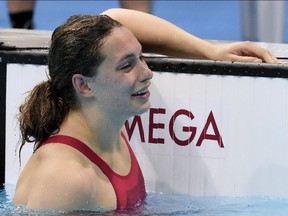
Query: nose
[(146, 72)]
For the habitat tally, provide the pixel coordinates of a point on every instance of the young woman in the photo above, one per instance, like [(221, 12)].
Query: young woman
[(98, 79)]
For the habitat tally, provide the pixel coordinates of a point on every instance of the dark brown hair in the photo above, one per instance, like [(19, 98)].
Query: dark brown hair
[(75, 49)]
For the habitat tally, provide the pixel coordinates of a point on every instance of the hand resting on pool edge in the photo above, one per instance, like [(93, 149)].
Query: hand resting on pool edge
[(98, 79), (160, 36)]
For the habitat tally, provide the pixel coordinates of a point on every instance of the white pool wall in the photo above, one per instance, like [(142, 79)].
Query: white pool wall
[(249, 112)]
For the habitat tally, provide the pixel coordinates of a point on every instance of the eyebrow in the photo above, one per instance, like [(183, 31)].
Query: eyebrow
[(129, 55)]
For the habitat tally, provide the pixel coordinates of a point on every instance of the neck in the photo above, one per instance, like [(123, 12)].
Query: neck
[(97, 131)]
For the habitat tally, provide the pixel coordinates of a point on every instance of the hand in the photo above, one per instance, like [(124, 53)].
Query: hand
[(243, 52)]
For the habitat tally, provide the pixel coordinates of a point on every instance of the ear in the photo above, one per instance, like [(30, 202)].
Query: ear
[(81, 85)]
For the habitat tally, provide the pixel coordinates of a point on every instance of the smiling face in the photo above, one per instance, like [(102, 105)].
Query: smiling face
[(122, 80)]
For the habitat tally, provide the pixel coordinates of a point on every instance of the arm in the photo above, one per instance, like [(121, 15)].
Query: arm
[(59, 194), (160, 36), (53, 186)]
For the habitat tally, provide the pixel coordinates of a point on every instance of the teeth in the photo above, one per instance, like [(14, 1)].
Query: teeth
[(140, 92)]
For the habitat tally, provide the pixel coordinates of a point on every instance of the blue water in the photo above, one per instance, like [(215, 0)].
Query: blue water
[(170, 205)]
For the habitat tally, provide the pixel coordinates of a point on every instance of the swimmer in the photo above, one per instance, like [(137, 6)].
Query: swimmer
[(98, 79)]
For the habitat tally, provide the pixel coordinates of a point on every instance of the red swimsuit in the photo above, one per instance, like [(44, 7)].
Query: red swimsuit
[(129, 189)]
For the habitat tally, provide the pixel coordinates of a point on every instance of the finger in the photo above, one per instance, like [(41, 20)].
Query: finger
[(247, 59), (269, 58), (262, 53), (273, 60)]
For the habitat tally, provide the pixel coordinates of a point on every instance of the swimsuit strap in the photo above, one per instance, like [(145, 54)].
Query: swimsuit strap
[(129, 189), (87, 151)]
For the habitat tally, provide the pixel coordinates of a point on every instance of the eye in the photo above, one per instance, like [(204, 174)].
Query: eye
[(126, 66)]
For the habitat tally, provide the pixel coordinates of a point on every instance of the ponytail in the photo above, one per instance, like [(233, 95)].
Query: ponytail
[(40, 115)]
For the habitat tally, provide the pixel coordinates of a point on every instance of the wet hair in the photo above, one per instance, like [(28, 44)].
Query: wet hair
[(75, 49)]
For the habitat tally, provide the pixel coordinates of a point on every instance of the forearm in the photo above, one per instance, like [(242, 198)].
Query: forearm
[(160, 36)]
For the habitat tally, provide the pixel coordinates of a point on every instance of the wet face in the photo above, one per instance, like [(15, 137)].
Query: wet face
[(122, 80)]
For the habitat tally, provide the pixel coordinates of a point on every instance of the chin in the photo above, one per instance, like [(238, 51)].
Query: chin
[(142, 110)]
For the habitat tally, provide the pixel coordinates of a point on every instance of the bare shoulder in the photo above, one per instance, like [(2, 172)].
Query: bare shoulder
[(64, 187), (55, 181)]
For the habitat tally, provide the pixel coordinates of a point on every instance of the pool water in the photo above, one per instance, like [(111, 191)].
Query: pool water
[(167, 204)]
